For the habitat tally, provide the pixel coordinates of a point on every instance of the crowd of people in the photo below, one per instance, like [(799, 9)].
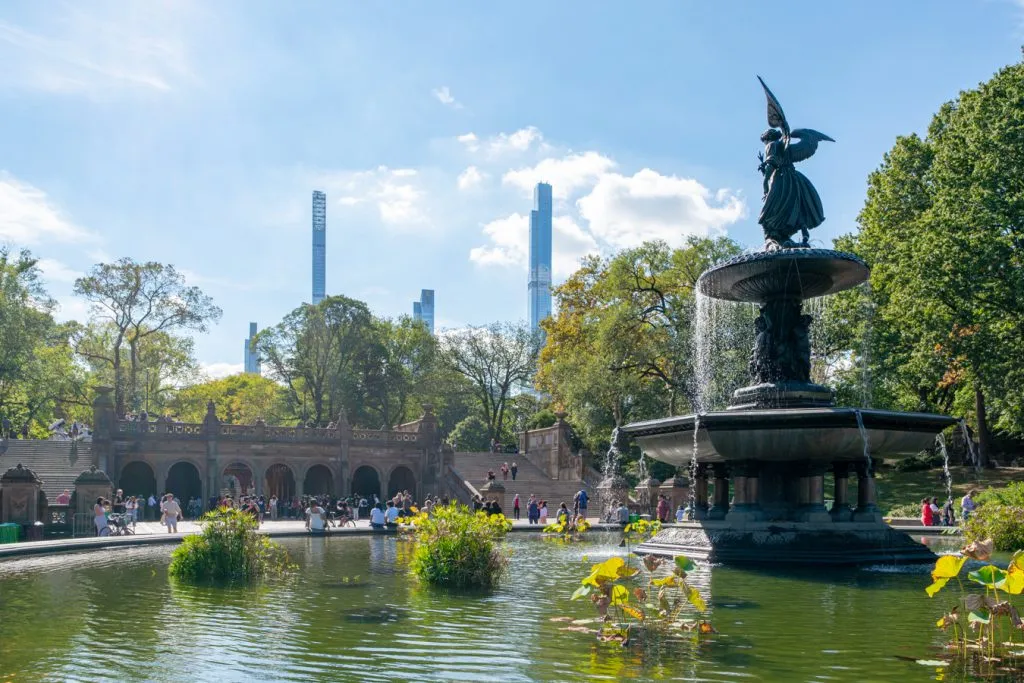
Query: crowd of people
[(933, 515)]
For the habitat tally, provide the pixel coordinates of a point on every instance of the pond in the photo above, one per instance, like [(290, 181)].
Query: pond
[(352, 614)]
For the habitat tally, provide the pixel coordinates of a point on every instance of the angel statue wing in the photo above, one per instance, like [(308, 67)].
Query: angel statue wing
[(809, 134), (776, 118)]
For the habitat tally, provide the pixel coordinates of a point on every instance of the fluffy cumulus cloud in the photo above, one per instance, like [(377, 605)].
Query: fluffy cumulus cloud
[(600, 209), (565, 174), (470, 178), (57, 271), (505, 144), (221, 370), (625, 211), (28, 217), (395, 194)]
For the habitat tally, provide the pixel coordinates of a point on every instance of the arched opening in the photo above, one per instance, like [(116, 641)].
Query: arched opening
[(184, 482), (319, 481), (366, 482), (280, 482), (137, 479), (401, 479), (237, 480)]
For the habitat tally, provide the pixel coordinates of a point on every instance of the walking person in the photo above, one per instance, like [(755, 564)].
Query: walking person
[(926, 513), (171, 512), (514, 469), (504, 471), (532, 510), (581, 500), (99, 513), (515, 507), (967, 505), (544, 512)]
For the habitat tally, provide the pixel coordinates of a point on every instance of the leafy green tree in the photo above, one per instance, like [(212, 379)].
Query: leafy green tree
[(942, 228), (471, 435), (240, 399), (136, 301), (499, 360)]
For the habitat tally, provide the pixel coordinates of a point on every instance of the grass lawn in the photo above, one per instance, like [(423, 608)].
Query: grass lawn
[(901, 488)]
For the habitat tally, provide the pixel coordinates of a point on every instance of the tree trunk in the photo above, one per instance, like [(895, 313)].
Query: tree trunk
[(983, 434)]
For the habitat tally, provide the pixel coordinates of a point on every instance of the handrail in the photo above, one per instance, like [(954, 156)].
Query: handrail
[(460, 487)]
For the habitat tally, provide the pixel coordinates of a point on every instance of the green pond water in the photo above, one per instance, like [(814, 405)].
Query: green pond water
[(115, 615)]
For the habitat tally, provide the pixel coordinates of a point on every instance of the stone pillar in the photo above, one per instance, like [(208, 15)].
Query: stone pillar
[(720, 503), (344, 484), (211, 429), (866, 510), (161, 482), (677, 490), (104, 426), (746, 507), (813, 491), (700, 493), (495, 490), (611, 492), (21, 488), (841, 511), (89, 486)]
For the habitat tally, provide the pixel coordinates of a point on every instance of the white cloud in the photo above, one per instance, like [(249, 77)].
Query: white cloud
[(80, 52), (625, 211), (510, 244), (566, 174), (28, 217), (522, 140), (56, 271), (71, 308), (444, 96), (395, 193), (220, 370), (470, 178)]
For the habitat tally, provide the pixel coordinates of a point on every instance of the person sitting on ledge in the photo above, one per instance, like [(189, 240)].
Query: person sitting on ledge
[(495, 508), (377, 517), (622, 514), (392, 515)]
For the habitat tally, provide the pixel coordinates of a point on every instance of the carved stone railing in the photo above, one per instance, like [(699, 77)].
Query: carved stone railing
[(261, 432), (386, 437), (179, 429)]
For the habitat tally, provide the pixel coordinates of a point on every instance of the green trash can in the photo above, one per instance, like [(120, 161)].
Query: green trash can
[(633, 519), (9, 533)]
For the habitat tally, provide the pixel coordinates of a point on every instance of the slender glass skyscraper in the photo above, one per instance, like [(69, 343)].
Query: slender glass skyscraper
[(423, 310), (319, 246), (252, 359), (539, 285)]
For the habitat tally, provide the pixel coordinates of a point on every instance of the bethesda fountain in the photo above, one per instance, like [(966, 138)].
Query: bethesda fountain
[(766, 457)]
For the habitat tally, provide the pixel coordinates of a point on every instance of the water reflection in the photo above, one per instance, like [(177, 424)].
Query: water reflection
[(116, 612)]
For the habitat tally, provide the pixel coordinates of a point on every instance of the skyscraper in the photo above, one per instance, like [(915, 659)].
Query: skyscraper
[(319, 246), (423, 310), (539, 285), (252, 359)]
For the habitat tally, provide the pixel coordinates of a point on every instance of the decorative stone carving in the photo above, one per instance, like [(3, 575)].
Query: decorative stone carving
[(20, 500)]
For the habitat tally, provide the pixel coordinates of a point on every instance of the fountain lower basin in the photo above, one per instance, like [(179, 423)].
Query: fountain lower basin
[(784, 435)]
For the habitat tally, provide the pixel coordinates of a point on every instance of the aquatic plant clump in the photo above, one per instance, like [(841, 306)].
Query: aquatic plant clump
[(457, 548), (229, 550), (1001, 523)]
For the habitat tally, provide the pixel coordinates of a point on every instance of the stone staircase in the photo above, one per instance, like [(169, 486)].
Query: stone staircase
[(52, 461), (473, 468)]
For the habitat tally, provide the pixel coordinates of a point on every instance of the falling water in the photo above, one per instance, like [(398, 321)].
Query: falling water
[(702, 342), (864, 438), (940, 444), (693, 468), (975, 460), (865, 346), (611, 458)]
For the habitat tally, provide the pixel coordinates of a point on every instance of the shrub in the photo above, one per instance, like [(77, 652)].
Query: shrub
[(1011, 494), (471, 434), (229, 550), (457, 548), (1001, 523)]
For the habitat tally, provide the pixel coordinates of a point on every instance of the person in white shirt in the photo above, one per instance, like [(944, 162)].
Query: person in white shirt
[(273, 508), (152, 503), (680, 514), (315, 518), (377, 517), (392, 515), (171, 512)]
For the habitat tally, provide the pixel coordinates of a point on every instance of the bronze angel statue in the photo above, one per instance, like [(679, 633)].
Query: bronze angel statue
[(790, 202)]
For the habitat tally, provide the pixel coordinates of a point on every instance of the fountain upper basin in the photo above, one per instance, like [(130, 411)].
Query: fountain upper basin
[(797, 273), (783, 435)]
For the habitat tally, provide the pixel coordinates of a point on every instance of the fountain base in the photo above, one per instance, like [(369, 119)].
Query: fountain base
[(819, 543), (782, 395)]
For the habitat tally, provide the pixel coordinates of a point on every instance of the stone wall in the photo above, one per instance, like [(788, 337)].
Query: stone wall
[(550, 449)]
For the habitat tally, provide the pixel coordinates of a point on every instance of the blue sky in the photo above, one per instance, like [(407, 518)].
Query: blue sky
[(194, 133)]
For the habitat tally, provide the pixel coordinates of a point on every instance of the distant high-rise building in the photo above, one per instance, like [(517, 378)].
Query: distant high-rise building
[(252, 359), (319, 246), (423, 310), (539, 285)]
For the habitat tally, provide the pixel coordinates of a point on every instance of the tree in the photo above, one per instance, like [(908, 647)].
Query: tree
[(317, 352), (942, 228), (38, 376), (139, 300), (471, 435), (499, 360), (240, 399)]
